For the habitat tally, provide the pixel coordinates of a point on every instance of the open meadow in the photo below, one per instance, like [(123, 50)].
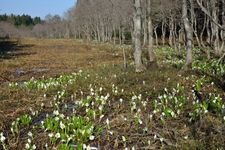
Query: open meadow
[(71, 94)]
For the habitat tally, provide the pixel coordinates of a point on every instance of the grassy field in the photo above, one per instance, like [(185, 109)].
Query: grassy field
[(69, 94)]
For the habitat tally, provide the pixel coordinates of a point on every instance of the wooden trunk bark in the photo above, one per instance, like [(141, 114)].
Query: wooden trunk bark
[(139, 67), (152, 57), (188, 34)]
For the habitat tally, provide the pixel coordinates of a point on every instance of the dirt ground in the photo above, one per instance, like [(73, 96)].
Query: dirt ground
[(22, 59), (26, 58)]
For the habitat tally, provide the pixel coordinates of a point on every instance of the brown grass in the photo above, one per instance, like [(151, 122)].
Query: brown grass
[(54, 57)]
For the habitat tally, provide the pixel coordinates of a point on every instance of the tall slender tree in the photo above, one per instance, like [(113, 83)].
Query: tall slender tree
[(139, 67), (152, 57), (188, 35)]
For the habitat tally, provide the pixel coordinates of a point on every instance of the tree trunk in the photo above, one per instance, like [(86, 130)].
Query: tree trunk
[(188, 34), (144, 24), (123, 35), (175, 40), (202, 32), (171, 25), (120, 35), (215, 29), (152, 57), (156, 36), (114, 35), (180, 39), (137, 36), (163, 32)]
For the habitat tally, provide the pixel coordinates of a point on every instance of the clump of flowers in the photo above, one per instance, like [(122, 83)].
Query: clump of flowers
[(170, 104), (23, 120)]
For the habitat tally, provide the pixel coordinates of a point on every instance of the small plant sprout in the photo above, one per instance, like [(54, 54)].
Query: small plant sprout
[(121, 100), (107, 123), (2, 139), (124, 140), (29, 145)]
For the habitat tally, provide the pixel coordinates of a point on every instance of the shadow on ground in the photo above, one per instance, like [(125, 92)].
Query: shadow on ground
[(12, 48)]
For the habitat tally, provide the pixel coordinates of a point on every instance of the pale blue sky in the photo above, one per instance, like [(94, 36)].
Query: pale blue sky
[(34, 8)]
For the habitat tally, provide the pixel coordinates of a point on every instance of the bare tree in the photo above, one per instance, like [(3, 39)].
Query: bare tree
[(137, 36), (217, 29), (188, 34), (151, 54)]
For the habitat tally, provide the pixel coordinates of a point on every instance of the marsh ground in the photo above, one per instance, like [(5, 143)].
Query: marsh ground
[(140, 112)]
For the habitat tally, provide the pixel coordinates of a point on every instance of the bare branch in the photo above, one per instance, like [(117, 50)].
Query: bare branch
[(208, 14)]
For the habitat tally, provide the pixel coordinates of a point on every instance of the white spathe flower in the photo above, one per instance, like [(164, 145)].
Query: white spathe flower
[(92, 137), (110, 132), (100, 89), (62, 115), (50, 135), (100, 107), (140, 121), (62, 126), (87, 104), (101, 117), (149, 142), (42, 104), (143, 82), (56, 118), (57, 135), (150, 116), (29, 141), (34, 147), (30, 134), (56, 112), (84, 146), (89, 147), (107, 121), (46, 145), (2, 138), (27, 146), (123, 138)]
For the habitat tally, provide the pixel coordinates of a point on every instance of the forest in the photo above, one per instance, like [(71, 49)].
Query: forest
[(115, 74)]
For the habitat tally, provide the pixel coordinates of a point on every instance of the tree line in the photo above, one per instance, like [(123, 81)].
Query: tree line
[(177, 23), (20, 20)]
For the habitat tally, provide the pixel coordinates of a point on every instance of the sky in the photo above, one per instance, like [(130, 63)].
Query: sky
[(39, 8)]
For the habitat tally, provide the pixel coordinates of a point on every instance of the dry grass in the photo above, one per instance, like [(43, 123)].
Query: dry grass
[(53, 57)]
